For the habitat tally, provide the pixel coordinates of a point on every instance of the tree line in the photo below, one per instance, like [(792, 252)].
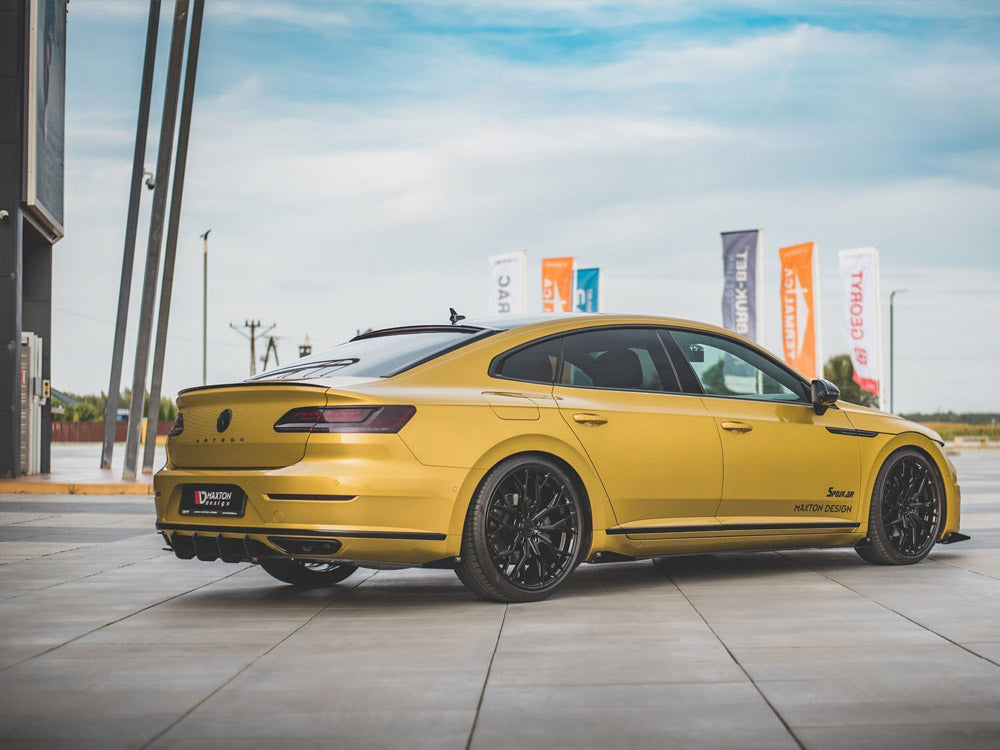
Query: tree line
[(91, 407)]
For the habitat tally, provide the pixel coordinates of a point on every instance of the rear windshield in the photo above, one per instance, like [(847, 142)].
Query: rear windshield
[(380, 356)]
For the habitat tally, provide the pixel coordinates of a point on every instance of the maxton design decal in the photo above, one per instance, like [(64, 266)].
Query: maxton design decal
[(828, 507)]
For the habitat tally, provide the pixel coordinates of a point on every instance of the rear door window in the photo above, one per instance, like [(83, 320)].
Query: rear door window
[(618, 359)]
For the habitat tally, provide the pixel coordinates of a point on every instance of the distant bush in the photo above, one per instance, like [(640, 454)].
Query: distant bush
[(92, 407)]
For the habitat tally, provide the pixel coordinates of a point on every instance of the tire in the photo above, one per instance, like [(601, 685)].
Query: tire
[(904, 519), (307, 575), (523, 533)]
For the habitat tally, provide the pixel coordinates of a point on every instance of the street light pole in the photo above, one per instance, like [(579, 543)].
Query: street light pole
[(204, 310), (892, 352)]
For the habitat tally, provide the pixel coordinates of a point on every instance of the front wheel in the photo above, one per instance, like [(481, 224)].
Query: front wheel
[(523, 533), (905, 514), (307, 575)]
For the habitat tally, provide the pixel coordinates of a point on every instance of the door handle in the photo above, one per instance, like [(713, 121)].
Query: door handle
[(592, 420), (736, 426)]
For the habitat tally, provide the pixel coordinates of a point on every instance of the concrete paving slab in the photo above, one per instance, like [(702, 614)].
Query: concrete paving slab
[(632, 716), (934, 698), (370, 729), (961, 736), (113, 643)]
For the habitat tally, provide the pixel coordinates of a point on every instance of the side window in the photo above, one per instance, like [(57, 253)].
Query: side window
[(535, 363), (617, 358), (727, 368)]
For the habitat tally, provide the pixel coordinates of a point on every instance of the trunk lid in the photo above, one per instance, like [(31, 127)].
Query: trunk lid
[(245, 437)]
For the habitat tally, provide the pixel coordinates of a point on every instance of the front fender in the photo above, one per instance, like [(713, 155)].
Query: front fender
[(876, 450)]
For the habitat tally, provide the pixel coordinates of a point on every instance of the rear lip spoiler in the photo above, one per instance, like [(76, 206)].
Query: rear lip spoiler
[(954, 536), (245, 384)]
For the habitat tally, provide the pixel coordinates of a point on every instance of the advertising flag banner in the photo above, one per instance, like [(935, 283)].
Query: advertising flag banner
[(588, 290), (798, 308), (557, 284), (862, 319), (509, 283), (742, 269)]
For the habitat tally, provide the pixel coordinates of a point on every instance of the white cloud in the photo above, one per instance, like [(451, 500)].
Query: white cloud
[(337, 215)]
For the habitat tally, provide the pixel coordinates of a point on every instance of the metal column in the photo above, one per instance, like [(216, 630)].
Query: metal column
[(170, 254), (131, 225), (155, 237)]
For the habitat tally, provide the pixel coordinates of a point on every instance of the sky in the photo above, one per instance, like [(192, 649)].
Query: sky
[(358, 162)]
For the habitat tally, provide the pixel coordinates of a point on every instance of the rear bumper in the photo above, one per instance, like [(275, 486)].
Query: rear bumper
[(385, 508)]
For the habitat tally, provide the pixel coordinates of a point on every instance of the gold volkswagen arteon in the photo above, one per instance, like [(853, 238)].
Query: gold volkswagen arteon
[(511, 450)]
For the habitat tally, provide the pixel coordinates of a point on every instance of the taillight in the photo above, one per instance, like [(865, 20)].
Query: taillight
[(178, 427), (345, 419)]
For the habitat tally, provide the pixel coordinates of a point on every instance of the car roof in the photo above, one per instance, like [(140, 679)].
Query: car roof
[(548, 322)]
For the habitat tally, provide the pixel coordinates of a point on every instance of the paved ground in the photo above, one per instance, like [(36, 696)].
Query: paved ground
[(76, 471), (107, 641)]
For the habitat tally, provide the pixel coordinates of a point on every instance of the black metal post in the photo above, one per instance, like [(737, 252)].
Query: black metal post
[(170, 253), (166, 148), (131, 226), (204, 309)]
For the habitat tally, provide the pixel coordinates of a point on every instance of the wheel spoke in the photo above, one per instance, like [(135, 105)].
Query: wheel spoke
[(910, 506), (532, 527)]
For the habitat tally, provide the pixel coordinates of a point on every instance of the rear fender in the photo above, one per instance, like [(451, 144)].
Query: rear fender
[(602, 516)]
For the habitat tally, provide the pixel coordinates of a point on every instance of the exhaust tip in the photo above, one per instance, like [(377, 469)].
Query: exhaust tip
[(297, 546)]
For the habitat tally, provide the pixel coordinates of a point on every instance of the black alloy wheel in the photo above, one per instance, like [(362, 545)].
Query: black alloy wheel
[(307, 575), (905, 516), (523, 532)]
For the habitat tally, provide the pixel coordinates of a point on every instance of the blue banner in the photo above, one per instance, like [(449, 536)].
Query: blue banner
[(588, 289)]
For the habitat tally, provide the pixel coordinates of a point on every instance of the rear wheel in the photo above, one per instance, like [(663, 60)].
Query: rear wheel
[(307, 575), (523, 531), (905, 515)]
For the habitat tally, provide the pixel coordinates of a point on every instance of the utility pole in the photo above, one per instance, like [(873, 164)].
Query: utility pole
[(892, 353), (204, 310), (131, 229), (253, 325), (305, 349), (272, 346)]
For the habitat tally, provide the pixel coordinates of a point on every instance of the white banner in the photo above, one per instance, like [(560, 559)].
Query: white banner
[(862, 316), (509, 283)]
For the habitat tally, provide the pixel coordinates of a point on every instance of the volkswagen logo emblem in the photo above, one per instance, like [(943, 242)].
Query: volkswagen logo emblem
[(222, 423)]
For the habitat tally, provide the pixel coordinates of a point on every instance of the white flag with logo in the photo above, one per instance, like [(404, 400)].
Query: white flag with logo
[(509, 283), (862, 318)]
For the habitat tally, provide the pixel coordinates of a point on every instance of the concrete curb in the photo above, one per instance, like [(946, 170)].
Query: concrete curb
[(32, 487)]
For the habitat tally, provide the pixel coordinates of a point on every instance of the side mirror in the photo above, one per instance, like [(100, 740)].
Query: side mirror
[(824, 395)]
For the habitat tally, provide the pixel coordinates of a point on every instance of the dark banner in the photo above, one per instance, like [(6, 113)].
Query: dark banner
[(741, 269)]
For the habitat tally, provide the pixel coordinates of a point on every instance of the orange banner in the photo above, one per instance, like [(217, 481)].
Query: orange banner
[(557, 284), (798, 309)]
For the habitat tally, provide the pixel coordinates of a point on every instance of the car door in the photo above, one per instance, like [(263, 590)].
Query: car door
[(656, 450), (787, 469)]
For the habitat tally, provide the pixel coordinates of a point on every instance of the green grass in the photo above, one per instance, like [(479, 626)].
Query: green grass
[(951, 430)]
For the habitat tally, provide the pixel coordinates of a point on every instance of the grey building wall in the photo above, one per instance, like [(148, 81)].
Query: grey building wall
[(25, 246)]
